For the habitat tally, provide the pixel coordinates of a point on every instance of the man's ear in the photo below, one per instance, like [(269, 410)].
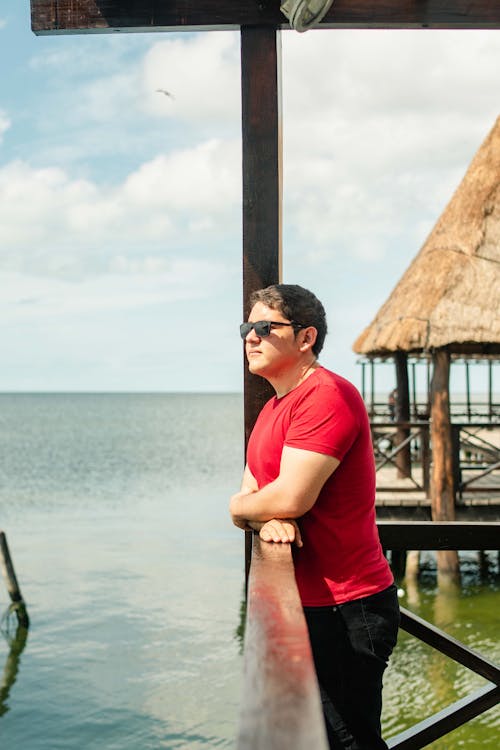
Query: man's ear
[(308, 338)]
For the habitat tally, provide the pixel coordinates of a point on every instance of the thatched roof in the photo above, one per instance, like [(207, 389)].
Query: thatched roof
[(450, 294)]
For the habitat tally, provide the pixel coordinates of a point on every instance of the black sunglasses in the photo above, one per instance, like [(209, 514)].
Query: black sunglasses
[(263, 328)]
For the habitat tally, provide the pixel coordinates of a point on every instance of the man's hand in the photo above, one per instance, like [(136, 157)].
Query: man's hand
[(281, 530)]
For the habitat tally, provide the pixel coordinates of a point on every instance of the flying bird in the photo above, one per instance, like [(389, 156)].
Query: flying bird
[(167, 93)]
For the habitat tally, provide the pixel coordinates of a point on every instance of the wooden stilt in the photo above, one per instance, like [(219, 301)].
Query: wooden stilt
[(483, 563), (412, 564), (398, 563), (442, 481), (12, 585)]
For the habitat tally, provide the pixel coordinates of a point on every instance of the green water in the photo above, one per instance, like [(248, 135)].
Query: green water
[(115, 508), (420, 681)]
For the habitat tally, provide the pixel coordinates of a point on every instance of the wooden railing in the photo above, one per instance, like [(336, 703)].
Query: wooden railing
[(474, 455), (281, 704)]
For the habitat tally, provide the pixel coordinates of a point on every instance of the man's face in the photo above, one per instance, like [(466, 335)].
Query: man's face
[(273, 355)]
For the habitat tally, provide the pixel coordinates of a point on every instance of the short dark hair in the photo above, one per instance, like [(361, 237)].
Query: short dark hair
[(298, 305)]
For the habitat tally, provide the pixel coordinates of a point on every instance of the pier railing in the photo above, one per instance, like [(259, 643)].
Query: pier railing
[(476, 456), (280, 705)]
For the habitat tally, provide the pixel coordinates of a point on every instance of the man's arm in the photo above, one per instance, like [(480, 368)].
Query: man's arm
[(248, 483), (294, 492)]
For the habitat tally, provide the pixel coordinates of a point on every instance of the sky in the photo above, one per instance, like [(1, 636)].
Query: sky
[(120, 206)]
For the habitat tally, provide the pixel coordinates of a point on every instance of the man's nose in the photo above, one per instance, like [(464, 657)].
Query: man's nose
[(251, 335)]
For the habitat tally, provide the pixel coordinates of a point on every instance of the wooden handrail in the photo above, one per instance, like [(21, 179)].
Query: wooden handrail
[(281, 705)]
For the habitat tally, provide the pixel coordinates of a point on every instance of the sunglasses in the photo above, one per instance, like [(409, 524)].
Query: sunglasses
[(263, 328)]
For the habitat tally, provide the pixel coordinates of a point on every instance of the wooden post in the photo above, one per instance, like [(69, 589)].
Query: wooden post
[(12, 585), (467, 389), (372, 389), (403, 458), (262, 190), (442, 484), (490, 389), (414, 389), (426, 459), (457, 469)]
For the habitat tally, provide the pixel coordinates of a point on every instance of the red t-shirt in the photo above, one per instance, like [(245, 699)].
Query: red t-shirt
[(341, 558)]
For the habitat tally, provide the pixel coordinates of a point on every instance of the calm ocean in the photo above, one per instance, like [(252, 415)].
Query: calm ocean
[(115, 509)]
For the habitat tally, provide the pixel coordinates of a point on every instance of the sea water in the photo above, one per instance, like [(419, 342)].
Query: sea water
[(115, 510)]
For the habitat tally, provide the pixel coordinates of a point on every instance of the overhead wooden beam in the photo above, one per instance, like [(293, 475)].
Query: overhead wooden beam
[(91, 16)]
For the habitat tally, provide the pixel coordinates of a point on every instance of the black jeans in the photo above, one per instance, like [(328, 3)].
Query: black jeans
[(351, 644)]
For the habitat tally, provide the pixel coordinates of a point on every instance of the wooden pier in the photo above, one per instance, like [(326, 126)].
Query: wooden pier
[(476, 471)]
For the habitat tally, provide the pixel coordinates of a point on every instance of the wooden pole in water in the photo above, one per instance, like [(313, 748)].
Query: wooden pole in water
[(12, 585), (442, 483)]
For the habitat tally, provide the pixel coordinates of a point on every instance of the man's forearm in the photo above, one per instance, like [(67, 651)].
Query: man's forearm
[(271, 501)]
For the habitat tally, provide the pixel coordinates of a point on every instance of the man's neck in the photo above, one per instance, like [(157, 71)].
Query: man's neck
[(293, 378)]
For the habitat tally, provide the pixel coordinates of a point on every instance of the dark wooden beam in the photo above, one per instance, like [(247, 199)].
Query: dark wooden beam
[(262, 182), (403, 458), (63, 16), (262, 148), (434, 535)]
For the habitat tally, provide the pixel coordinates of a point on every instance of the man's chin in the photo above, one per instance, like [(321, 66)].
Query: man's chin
[(254, 367)]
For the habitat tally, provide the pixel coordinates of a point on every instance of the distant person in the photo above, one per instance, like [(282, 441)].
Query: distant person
[(391, 403), (310, 479)]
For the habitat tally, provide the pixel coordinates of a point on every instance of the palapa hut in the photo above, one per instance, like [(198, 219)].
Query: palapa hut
[(448, 302)]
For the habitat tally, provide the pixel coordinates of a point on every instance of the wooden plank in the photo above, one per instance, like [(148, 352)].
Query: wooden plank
[(280, 703), (434, 535), (63, 16)]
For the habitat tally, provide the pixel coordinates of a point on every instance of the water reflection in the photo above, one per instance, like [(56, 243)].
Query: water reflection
[(421, 681), (17, 643)]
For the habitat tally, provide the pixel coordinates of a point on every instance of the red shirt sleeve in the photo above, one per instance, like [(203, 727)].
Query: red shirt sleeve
[(324, 421)]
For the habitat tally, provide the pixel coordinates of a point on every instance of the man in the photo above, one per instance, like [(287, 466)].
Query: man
[(310, 478)]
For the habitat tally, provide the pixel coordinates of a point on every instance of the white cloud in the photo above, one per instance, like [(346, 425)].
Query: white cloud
[(130, 285), (128, 200), (201, 71), (5, 124), (52, 224), (379, 127)]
